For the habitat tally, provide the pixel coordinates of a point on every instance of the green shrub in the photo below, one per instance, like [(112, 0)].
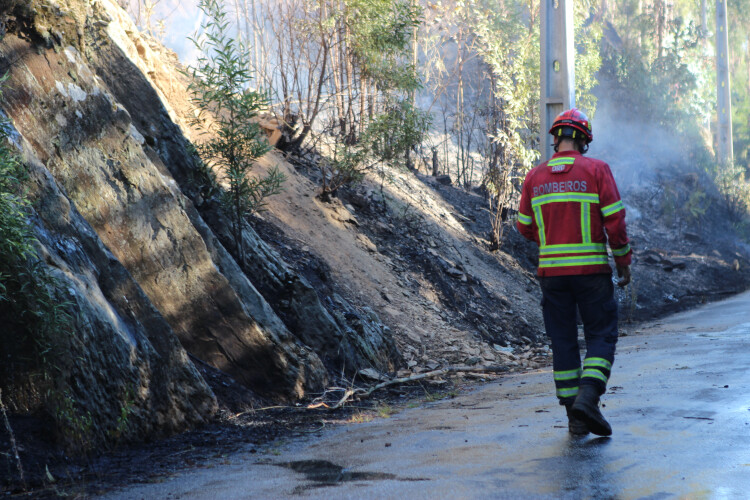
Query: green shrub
[(734, 190), (220, 87), (387, 139), (31, 309)]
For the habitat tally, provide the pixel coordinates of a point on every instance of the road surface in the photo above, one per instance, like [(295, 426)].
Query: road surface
[(678, 401)]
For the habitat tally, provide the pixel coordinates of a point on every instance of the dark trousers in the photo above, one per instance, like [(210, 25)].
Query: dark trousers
[(593, 296)]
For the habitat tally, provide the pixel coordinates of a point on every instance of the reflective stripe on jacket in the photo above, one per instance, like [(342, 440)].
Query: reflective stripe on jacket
[(570, 206)]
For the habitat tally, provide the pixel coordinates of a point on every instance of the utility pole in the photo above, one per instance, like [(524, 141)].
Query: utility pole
[(725, 150), (557, 67)]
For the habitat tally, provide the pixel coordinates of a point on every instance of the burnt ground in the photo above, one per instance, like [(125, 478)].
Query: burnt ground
[(687, 251), (688, 247), (244, 422)]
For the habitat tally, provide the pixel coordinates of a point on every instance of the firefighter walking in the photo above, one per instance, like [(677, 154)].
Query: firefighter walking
[(571, 208)]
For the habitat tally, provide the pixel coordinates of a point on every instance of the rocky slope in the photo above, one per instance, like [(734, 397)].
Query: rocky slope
[(393, 278), (147, 275)]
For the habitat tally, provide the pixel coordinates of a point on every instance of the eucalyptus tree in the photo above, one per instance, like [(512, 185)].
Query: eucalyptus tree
[(229, 108)]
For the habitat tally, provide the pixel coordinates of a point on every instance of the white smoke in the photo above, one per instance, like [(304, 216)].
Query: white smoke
[(637, 151)]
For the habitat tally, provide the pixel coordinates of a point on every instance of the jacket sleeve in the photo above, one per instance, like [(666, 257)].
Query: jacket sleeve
[(613, 214), (525, 222)]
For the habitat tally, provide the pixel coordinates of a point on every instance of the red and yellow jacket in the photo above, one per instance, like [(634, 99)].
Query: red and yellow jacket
[(570, 206)]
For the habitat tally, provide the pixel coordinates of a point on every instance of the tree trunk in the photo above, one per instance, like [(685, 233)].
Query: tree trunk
[(661, 21)]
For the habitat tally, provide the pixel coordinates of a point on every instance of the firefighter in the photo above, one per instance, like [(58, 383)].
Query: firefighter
[(570, 207)]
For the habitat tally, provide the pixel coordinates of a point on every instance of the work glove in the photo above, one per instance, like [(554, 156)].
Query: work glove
[(623, 272)]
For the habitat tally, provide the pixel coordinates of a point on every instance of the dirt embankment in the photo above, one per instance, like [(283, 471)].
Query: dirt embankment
[(416, 253), (424, 260), (413, 254)]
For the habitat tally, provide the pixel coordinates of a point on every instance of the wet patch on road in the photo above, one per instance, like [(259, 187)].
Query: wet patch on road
[(694, 414), (711, 395), (323, 473)]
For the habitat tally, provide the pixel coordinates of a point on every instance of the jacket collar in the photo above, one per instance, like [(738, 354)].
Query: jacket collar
[(571, 152)]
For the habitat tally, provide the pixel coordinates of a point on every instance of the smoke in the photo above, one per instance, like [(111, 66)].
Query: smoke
[(636, 150)]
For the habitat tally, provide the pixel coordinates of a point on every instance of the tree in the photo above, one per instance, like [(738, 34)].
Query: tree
[(739, 42), (659, 70), (387, 139), (229, 108)]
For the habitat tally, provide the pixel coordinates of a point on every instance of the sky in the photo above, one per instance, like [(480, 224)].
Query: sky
[(182, 18)]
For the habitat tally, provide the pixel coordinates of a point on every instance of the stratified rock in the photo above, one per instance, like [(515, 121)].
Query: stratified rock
[(144, 91), (101, 152), (121, 372), (344, 338)]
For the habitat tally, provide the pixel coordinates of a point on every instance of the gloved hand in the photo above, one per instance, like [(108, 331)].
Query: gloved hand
[(623, 272)]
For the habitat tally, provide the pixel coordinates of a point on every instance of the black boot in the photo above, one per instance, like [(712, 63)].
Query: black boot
[(576, 427), (586, 408)]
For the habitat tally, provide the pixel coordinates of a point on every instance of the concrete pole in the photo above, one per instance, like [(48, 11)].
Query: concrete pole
[(557, 67), (705, 34), (725, 150)]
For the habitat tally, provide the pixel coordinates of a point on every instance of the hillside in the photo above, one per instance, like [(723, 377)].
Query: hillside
[(169, 331)]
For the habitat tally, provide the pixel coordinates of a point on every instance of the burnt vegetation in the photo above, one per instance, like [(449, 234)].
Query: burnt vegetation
[(424, 174)]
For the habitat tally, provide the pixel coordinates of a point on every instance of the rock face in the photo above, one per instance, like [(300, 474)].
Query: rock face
[(132, 255), (344, 338), (122, 375), (149, 275), (95, 151), (144, 85)]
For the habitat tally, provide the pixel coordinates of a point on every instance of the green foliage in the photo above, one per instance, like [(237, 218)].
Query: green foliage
[(697, 204), (347, 165), (661, 74), (378, 36), (683, 201), (16, 241), (220, 87), (739, 51), (734, 190), (392, 133), (588, 58), (380, 32), (74, 425), (385, 141), (34, 315), (508, 41), (123, 419)]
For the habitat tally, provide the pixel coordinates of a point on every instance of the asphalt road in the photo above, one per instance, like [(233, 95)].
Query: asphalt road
[(678, 401)]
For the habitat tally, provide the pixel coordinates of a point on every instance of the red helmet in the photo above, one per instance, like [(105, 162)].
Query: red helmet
[(568, 122)]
